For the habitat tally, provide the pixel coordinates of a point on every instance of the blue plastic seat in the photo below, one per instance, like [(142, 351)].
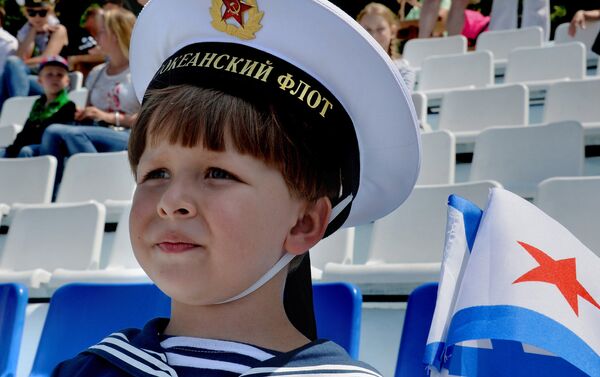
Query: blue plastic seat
[(13, 302), (338, 314), (419, 313), (90, 312)]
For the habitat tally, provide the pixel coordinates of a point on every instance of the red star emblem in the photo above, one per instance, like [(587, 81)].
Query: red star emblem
[(560, 272), (235, 9)]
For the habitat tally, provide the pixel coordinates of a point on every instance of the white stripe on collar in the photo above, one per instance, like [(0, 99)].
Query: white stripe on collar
[(216, 345), (334, 369), (200, 363)]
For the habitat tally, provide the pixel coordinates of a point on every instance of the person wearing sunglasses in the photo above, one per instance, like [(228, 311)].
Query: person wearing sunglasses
[(42, 36)]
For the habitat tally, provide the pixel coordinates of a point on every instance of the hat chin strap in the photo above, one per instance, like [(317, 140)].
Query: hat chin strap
[(286, 258)]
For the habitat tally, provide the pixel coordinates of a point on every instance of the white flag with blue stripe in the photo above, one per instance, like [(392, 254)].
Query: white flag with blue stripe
[(518, 296)]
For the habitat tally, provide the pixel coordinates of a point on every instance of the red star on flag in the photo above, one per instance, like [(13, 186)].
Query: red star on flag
[(235, 9), (561, 273)]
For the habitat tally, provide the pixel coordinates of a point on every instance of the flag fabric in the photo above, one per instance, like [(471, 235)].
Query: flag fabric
[(518, 295)]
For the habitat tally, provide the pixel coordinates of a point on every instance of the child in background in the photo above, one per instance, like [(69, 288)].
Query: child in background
[(243, 162), (382, 24), (52, 107)]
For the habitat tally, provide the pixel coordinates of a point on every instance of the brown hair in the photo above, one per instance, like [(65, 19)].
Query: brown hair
[(189, 115), (385, 12), (120, 23)]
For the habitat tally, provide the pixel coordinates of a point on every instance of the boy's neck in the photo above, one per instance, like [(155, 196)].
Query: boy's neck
[(51, 97), (258, 319)]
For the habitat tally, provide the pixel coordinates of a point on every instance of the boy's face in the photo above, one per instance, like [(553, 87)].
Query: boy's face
[(53, 79), (205, 225)]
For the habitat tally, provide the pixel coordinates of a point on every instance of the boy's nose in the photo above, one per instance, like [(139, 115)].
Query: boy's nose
[(176, 203)]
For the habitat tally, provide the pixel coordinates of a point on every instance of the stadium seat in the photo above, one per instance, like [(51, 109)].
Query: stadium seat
[(538, 67), (15, 110), (75, 80), (121, 267), (575, 100), (575, 203), (522, 157), (43, 238), (417, 321), (90, 312), (26, 180), (442, 74), (79, 96), (13, 302), (416, 50), (465, 113), (103, 177), (501, 42), (8, 134), (420, 101), (438, 158), (337, 248), (585, 36), (406, 246)]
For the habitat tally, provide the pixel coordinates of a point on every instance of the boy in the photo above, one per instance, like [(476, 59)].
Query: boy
[(52, 107), (240, 171)]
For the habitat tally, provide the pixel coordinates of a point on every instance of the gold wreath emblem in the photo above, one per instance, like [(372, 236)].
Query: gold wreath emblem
[(246, 32)]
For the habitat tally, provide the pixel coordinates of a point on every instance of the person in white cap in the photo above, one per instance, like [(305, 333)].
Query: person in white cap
[(253, 142)]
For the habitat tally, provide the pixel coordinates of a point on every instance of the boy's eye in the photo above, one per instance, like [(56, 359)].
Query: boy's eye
[(156, 174), (216, 173)]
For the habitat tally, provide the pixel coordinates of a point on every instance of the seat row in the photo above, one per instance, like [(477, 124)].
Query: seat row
[(81, 315), (404, 249)]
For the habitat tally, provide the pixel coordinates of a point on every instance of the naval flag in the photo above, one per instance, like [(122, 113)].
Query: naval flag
[(518, 295)]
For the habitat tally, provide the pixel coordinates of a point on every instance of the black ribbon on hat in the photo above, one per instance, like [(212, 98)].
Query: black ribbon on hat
[(260, 77)]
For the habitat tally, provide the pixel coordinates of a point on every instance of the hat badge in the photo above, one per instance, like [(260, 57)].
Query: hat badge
[(238, 18)]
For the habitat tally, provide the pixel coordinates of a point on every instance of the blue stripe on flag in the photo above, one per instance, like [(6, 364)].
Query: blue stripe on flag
[(471, 215), (433, 354), (523, 325)]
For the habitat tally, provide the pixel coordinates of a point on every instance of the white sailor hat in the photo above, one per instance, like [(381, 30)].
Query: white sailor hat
[(305, 54)]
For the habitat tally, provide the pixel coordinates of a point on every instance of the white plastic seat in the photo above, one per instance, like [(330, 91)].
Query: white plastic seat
[(121, 266), (104, 177), (575, 203), (521, 157), (575, 100), (79, 97), (337, 248), (45, 237), (501, 42), (538, 67), (438, 158), (8, 134), (585, 36), (75, 80), (26, 180), (441, 74), (467, 112), (406, 247), (15, 110), (416, 50), (420, 101)]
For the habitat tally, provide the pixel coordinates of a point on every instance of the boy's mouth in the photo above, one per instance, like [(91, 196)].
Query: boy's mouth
[(176, 247)]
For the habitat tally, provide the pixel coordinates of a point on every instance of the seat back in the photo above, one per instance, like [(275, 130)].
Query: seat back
[(562, 61), (575, 203), (477, 109), (121, 254), (416, 50), (75, 80), (8, 134), (417, 321), (522, 157), (501, 42), (586, 36), (13, 302), (337, 248), (27, 180), (414, 233), (96, 176), (573, 100), (457, 71), (90, 312), (438, 158), (338, 314), (15, 110), (420, 101), (66, 236), (79, 97)]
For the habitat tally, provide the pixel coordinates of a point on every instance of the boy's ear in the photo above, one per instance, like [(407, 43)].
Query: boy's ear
[(310, 227)]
